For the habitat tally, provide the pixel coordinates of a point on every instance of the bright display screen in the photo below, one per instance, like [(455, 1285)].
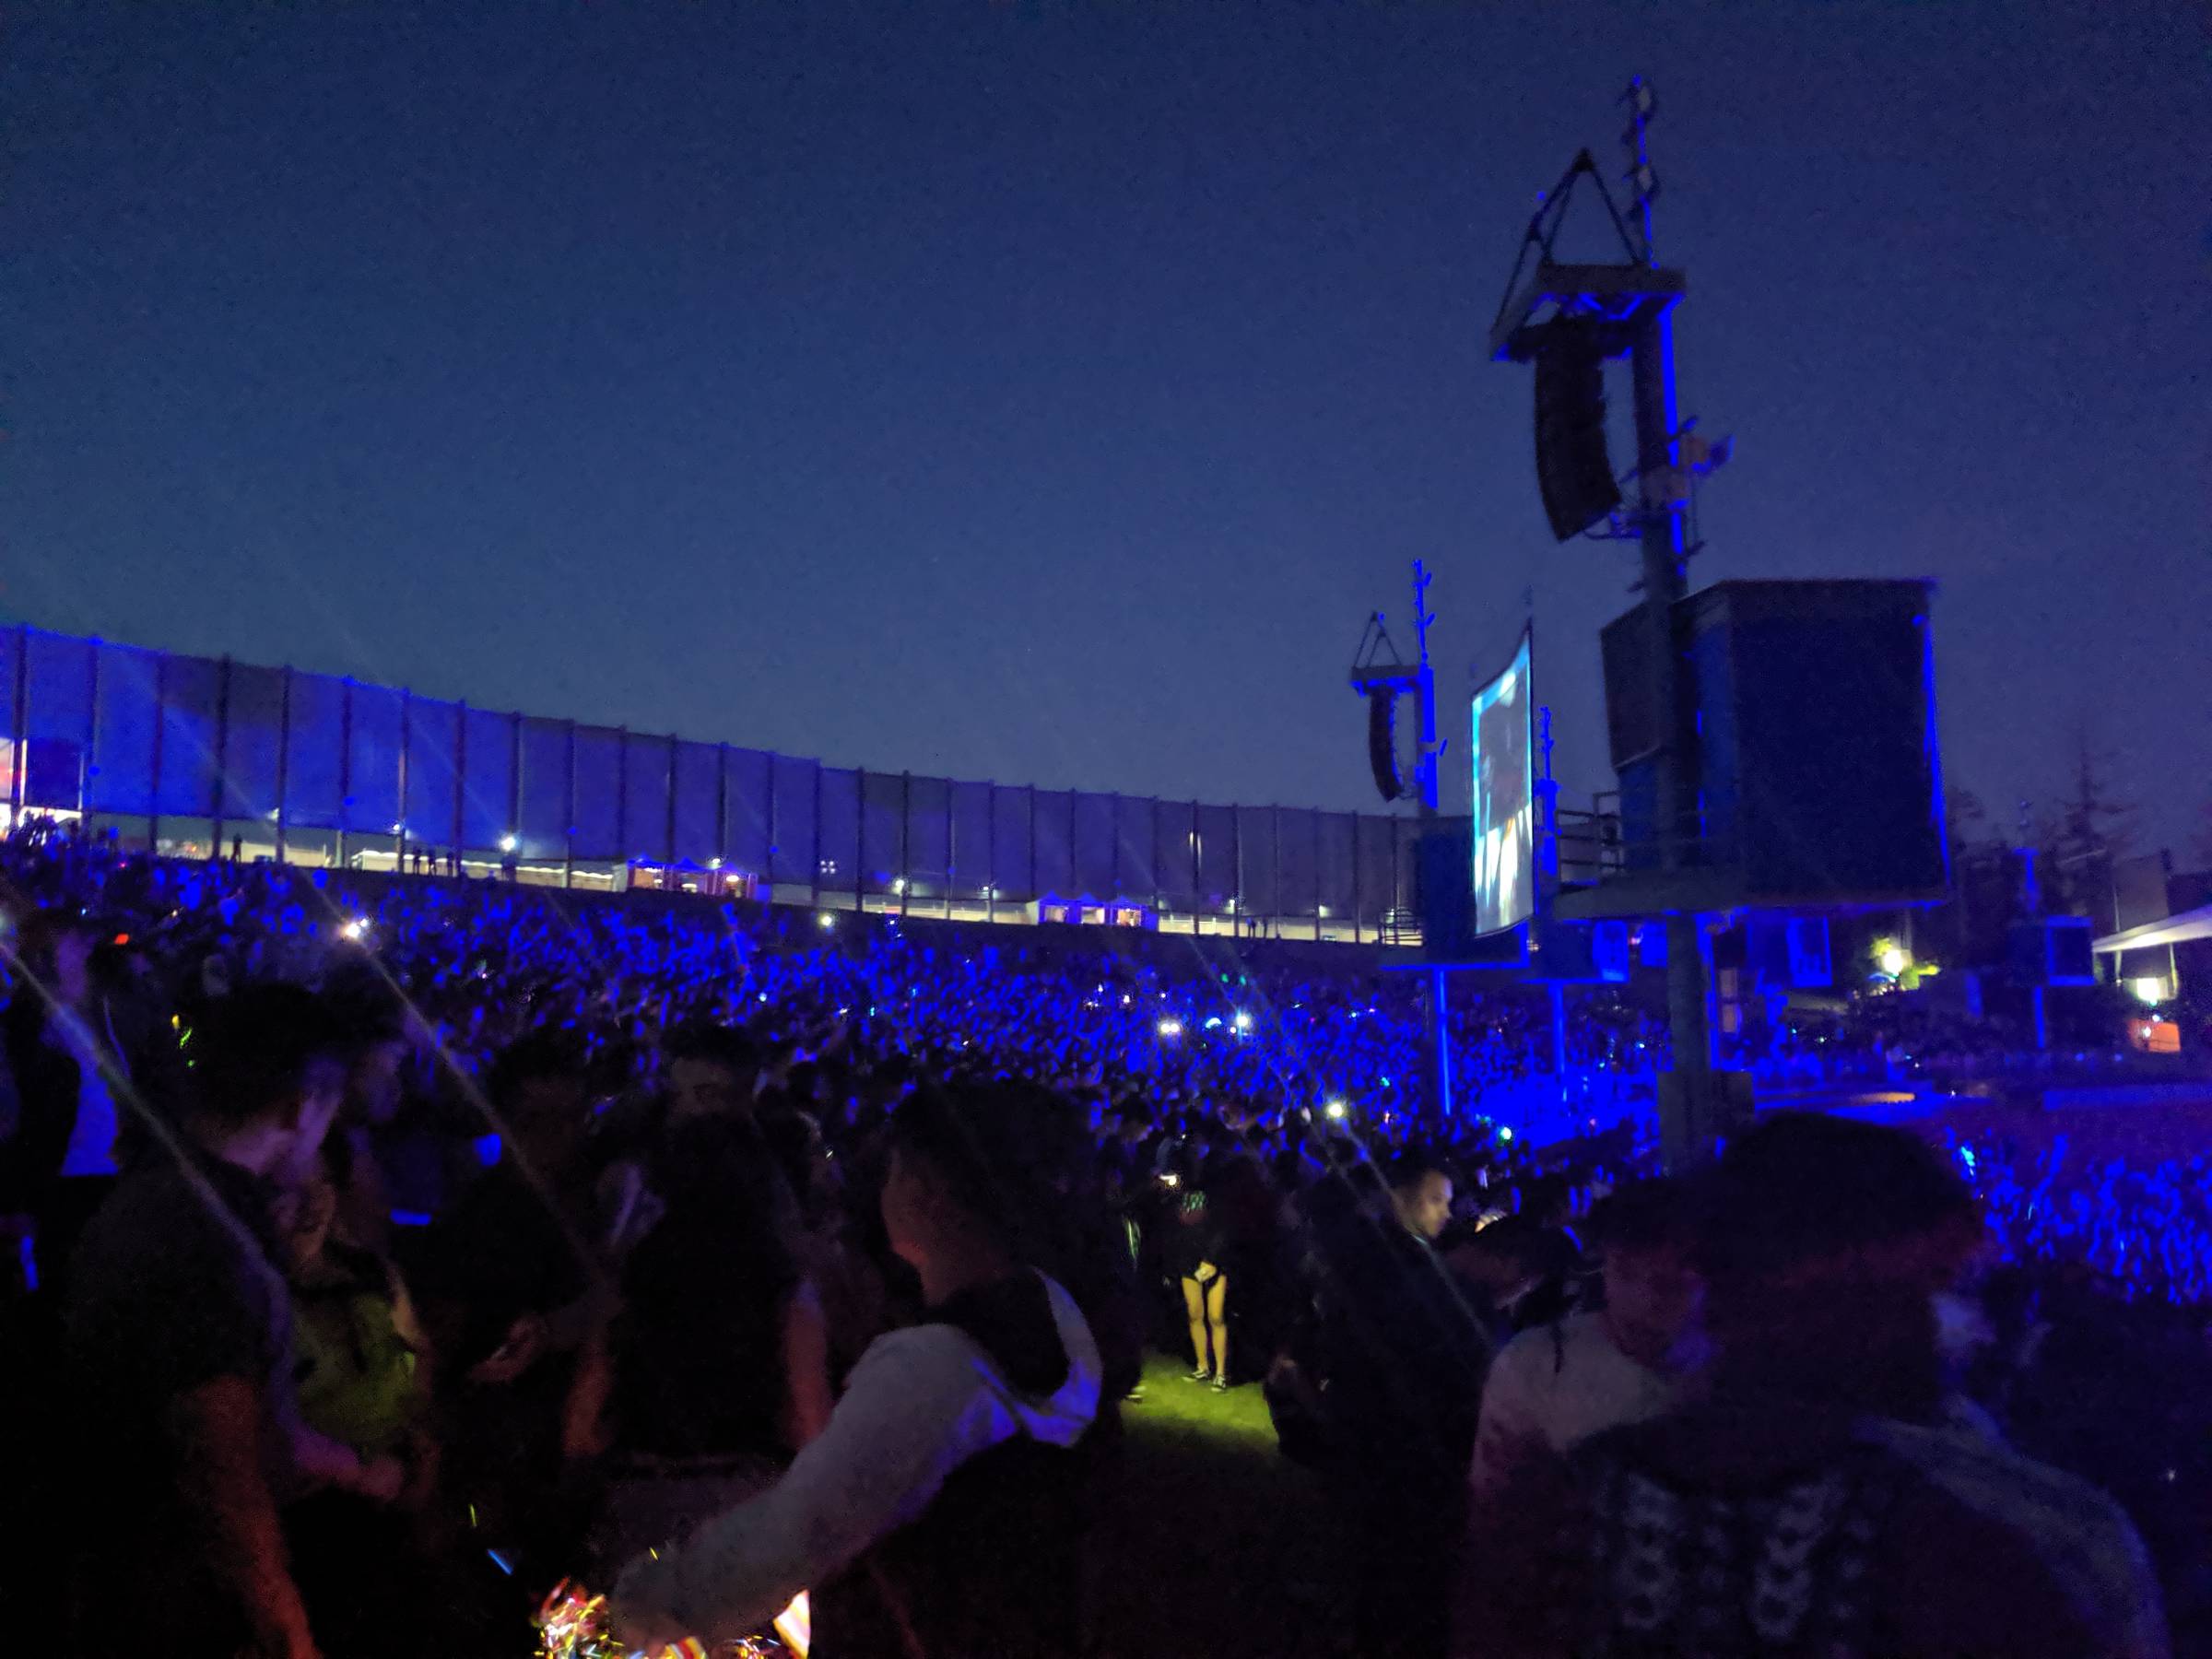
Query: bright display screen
[(1505, 812)]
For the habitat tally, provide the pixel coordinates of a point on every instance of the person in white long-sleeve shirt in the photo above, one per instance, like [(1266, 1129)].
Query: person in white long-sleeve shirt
[(942, 1511), (1552, 1387)]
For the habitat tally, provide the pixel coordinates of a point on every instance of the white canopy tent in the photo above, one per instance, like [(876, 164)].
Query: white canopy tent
[(2184, 929)]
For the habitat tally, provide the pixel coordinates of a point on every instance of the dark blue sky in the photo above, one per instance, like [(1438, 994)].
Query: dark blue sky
[(1047, 392)]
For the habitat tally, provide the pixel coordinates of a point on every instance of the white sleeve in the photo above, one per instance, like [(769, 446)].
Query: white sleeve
[(920, 1403), (1511, 1422)]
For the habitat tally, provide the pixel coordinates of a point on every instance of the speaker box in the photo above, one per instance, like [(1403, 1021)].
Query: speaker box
[(1574, 469), (2054, 950), (1813, 748)]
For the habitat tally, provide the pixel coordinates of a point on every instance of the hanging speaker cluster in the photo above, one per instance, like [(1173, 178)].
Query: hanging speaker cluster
[(1574, 470), (1382, 740)]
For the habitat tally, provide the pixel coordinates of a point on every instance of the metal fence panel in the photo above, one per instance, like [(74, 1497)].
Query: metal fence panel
[(58, 739), (1217, 857), (840, 829), (1055, 816), (1336, 852), (1256, 894), (314, 783), (1013, 844), (747, 777), (1298, 870), (645, 794), (543, 792), (252, 742), (799, 851), (880, 806), (487, 779), (11, 656), (190, 695), (433, 792), (598, 796), (698, 803), (1097, 875), (121, 776), (1377, 869), (971, 852), (1133, 838), (1175, 837), (928, 837)]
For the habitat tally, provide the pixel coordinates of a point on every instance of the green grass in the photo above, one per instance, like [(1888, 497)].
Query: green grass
[(1217, 1546)]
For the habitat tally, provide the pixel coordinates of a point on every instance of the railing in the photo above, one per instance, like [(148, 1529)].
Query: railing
[(194, 754)]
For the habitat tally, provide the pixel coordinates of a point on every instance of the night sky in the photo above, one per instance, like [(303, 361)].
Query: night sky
[(1047, 392)]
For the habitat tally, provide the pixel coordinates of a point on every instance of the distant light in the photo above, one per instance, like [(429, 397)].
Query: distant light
[(1505, 1132), (826, 922), (1322, 910), (399, 829), (1171, 1028), (355, 929), (1243, 1020), (1334, 1109), (509, 843), (713, 863), (899, 885), (1894, 960), (2149, 989), (1214, 1024)]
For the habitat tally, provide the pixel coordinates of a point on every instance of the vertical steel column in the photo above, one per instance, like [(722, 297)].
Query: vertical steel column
[(623, 803), (460, 768), (153, 822), (19, 737), (406, 756), (568, 856), (860, 839), (674, 761), (722, 818), (344, 765), (1236, 872), (515, 784), (222, 753), (88, 763), (1197, 848), (284, 761), (906, 829)]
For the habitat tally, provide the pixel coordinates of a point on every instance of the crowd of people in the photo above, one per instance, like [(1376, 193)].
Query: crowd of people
[(393, 1252)]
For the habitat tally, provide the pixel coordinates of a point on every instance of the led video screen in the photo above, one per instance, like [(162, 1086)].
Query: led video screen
[(1504, 812)]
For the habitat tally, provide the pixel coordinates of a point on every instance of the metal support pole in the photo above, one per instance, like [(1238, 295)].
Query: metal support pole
[(906, 836), (567, 853), (222, 758), (1436, 1047), (153, 822), (1690, 1106), (460, 783), (19, 742), (345, 768), (87, 753), (406, 728), (284, 759)]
